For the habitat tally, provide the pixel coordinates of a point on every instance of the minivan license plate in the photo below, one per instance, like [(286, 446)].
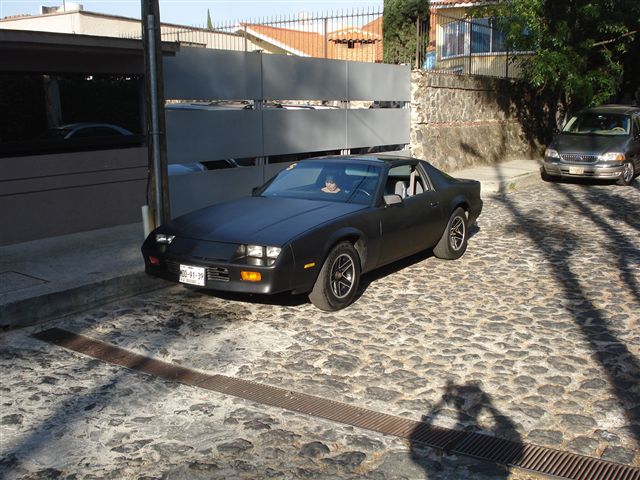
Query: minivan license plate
[(576, 170), (192, 275)]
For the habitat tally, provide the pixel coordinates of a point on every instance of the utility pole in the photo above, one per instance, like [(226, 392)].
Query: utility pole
[(157, 194)]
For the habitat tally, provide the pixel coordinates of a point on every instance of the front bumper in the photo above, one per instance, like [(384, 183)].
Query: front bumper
[(583, 170), (222, 275)]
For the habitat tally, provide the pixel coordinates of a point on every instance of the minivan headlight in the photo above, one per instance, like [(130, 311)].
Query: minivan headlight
[(612, 157), (551, 153)]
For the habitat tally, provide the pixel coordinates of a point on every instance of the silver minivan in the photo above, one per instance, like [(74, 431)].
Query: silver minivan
[(600, 142)]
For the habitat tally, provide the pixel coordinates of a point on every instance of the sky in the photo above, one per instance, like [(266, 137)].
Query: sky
[(194, 12)]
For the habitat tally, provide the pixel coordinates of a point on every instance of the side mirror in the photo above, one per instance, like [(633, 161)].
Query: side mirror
[(392, 199)]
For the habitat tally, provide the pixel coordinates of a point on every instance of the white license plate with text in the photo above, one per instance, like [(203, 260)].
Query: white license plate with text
[(576, 170), (192, 275)]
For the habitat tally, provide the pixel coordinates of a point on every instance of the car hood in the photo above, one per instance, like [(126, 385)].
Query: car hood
[(588, 144), (258, 220)]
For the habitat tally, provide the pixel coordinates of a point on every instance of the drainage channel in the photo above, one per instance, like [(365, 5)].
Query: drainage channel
[(537, 459)]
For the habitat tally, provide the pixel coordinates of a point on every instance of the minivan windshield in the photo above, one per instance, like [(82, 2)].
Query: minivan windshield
[(590, 123)]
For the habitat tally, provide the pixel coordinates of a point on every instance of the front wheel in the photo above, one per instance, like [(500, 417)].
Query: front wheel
[(453, 242), (337, 282), (628, 173)]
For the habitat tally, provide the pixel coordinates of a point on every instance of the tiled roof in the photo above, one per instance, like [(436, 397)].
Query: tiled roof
[(374, 26), (455, 3), (366, 45)]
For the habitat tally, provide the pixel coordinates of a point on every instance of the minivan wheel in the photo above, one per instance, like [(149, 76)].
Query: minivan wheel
[(628, 173)]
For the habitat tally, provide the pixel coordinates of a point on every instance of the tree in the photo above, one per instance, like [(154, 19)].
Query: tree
[(399, 28), (581, 47), (209, 24)]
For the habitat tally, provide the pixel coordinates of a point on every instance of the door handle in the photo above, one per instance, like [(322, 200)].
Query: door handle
[(434, 204)]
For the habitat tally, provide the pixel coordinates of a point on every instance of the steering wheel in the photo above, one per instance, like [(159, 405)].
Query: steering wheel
[(362, 190), (618, 129)]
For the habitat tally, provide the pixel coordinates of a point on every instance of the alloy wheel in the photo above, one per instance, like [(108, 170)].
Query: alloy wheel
[(342, 275), (457, 233), (627, 172)]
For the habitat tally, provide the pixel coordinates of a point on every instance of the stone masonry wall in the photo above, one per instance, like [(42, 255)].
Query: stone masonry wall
[(460, 122)]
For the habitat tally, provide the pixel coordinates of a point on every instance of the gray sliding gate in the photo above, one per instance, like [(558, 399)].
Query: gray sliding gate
[(201, 134)]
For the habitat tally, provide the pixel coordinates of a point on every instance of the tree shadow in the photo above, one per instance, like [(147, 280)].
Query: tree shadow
[(474, 413), (621, 367)]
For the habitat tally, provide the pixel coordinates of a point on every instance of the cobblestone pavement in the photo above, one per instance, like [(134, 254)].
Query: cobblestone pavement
[(534, 335)]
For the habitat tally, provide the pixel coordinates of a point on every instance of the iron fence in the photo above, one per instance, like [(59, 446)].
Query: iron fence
[(447, 44), (464, 46), (355, 35)]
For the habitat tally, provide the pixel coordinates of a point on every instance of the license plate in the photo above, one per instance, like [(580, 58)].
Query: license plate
[(192, 275), (576, 170)]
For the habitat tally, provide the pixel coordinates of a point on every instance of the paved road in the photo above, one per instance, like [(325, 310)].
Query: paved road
[(534, 335)]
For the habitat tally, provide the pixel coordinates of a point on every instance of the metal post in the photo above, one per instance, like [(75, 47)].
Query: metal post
[(246, 45), (506, 64), (155, 130), (159, 198), (418, 43), (326, 37)]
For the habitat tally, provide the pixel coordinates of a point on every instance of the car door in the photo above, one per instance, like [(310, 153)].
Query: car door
[(412, 225)]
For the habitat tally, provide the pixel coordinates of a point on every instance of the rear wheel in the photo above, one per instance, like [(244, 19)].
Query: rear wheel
[(628, 173), (453, 242), (337, 282)]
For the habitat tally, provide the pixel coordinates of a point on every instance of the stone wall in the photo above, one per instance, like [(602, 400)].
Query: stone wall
[(459, 121)]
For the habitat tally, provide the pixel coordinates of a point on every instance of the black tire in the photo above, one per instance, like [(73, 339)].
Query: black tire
[(628, 174), (338, 280), (453, 242), (545, 176)]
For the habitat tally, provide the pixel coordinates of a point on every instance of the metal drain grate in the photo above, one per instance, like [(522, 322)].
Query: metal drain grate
[(529, 457)]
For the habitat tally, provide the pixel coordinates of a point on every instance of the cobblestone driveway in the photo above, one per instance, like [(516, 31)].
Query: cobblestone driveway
[(534, 335)]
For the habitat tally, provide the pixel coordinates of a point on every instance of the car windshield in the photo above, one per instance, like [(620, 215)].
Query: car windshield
[(334, 181), (598, 124)]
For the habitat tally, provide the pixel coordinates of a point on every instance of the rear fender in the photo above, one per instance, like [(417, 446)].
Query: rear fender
[(458, 201)]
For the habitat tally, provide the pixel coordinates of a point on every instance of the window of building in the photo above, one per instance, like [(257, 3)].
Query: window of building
[(476, 37)]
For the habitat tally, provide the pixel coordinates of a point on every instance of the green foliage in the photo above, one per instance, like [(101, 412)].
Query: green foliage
[(582, 47), (209, 24), (399, 28)]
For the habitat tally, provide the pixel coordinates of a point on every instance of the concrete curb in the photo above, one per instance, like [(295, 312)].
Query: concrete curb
[(39, 309), (496, 188)]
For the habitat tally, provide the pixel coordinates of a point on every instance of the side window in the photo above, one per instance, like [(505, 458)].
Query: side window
[(406, 181), (636, 124)]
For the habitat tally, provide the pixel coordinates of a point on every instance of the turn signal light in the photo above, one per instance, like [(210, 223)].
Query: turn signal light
[(251, 276)]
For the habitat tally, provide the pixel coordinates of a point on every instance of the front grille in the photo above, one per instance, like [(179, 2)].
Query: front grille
[(578, 158), (214, 274), (217, 274)]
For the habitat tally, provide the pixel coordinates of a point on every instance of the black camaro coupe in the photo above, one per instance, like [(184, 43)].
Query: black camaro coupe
[(316, 227)]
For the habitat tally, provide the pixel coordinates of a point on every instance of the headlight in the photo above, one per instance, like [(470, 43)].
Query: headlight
[(258, 251), (551, 153), (612, 157), (164, 238), (255, 251)]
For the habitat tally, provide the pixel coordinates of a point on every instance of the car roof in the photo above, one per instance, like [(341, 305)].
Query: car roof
[(621, 109), (368, 158)]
